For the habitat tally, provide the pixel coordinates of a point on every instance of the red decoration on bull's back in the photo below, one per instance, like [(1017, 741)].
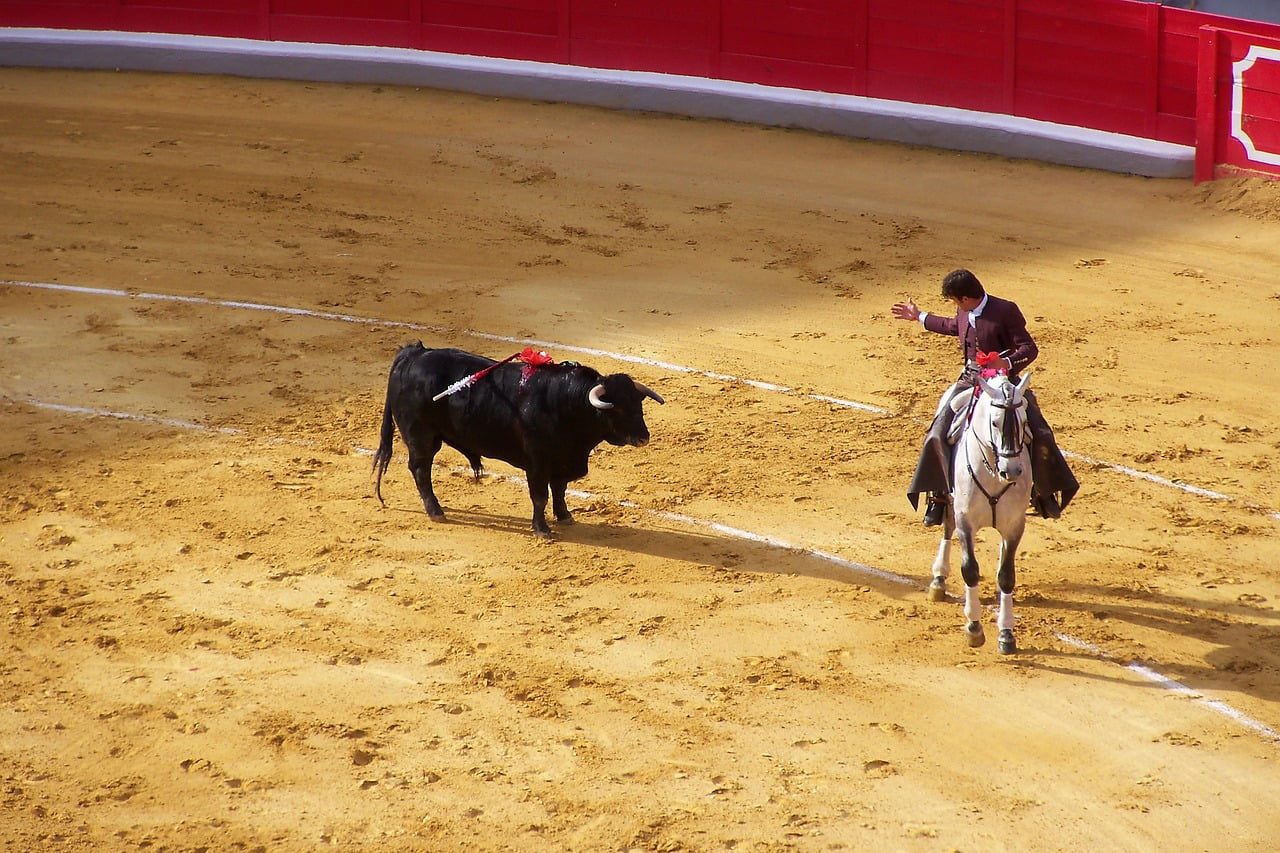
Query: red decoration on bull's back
[(533, 359)]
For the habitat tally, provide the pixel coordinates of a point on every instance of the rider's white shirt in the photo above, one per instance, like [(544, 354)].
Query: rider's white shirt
[(976, 312), (973, 315)]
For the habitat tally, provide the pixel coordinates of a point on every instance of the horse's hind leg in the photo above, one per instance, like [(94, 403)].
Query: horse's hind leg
[(972, 601), (1005, 580), (942, 562)]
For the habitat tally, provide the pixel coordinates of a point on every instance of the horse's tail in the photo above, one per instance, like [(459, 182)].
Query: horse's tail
[(382, 458)]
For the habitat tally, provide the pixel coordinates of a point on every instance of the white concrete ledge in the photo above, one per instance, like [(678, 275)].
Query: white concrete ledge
[(846, 115)]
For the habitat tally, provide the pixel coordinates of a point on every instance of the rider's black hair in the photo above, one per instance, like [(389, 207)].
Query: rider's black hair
[(960, 283)]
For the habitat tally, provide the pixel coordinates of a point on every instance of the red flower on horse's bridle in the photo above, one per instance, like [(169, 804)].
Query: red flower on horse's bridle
[(990, 364)]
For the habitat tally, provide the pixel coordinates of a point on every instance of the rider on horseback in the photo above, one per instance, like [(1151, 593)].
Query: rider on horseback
[(985, 324)]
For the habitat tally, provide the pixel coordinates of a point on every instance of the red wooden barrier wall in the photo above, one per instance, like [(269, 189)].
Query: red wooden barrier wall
[(1238, 128), (1114, 65), (820, 45), (512, 29)]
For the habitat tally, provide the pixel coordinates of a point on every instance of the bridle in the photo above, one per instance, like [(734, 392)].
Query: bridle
[(1010, 446)]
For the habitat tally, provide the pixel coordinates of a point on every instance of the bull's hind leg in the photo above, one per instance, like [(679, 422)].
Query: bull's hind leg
[(420, 463), (538, 494), (942, 562), (972, 600), (558, 506)]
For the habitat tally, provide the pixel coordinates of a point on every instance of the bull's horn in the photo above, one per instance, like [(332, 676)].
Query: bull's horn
[(594, 396), (649, 392)]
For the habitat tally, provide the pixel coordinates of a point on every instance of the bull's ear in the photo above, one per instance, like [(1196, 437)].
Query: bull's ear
[(646, 391)]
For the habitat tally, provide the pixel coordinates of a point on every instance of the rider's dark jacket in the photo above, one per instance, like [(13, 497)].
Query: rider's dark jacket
[(999, 328)]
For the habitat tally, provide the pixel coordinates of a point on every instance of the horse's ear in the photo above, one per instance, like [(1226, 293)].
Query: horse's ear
[(988, 390), (1023, 382)]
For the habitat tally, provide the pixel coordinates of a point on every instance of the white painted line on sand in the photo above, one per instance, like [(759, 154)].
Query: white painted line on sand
[(176, 423), (1153, 478), (1177, 687), (733, 532), (555, 345), (775, 542), (1173, 484), (440, 330)]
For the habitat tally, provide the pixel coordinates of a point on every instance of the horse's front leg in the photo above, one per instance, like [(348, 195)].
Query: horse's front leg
[(942, 562), (1005, 580), (972, 601)]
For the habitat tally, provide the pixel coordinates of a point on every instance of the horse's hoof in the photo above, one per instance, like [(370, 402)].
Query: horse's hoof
[(1007, 644), (974, 632), (436, 514), (567, 518), (938, 590)]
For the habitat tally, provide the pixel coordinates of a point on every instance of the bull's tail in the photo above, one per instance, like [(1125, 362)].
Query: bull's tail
[(382, 458)]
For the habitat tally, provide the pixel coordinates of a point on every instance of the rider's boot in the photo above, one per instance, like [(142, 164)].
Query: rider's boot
[(1046, 504), (936, 509)]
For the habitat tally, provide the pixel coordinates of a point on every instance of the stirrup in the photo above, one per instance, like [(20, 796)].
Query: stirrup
[(935, 510), (1046, 505)]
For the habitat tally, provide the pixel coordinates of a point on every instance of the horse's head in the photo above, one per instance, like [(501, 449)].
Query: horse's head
[(1004, 410)]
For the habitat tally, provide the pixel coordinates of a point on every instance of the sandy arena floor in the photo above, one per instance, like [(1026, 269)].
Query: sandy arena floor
[(215, 639)]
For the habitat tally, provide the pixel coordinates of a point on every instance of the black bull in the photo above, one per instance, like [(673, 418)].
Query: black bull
[(544, 421)]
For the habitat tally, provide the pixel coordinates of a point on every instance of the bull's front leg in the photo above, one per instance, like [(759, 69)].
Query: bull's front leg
[(538, 494), (558, 507), (420, 466)]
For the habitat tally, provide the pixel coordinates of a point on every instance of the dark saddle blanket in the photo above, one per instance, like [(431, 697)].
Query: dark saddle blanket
[(1051, 475)]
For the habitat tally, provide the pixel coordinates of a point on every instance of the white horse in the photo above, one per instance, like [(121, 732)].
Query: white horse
[(992, 485)]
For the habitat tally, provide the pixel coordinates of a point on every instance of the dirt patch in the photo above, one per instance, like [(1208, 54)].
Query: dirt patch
[(1256, 198), (216, 639)]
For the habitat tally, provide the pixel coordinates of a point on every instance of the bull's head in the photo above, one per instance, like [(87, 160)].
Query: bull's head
[(620, 401)]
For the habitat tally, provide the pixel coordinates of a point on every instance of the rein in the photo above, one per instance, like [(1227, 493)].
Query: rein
[(991, 499)]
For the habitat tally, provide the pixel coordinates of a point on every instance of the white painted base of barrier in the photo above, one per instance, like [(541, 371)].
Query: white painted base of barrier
[(844, 115)]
